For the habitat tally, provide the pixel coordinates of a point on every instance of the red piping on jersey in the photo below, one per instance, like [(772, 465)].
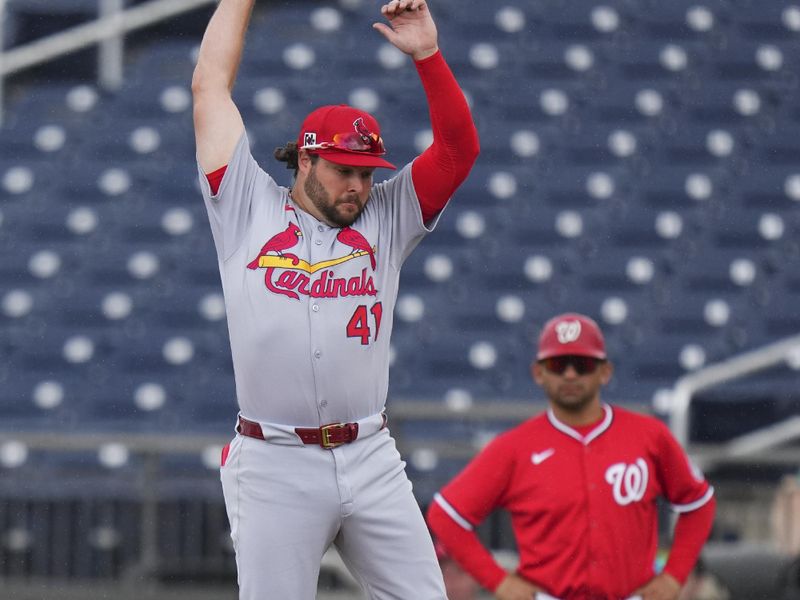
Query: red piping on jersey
[(578, 434), (585, 430)]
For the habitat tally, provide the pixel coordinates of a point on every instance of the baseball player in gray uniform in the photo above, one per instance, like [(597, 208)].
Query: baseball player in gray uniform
[(310, 277)]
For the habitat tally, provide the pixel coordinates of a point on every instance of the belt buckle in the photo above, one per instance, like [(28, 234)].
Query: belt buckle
[(325, 435)]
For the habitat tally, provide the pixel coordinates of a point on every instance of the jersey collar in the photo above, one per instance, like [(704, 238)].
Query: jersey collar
[(585, 440)]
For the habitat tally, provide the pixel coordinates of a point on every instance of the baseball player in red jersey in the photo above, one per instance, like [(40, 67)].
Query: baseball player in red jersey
[(581, 483), (310, 276)]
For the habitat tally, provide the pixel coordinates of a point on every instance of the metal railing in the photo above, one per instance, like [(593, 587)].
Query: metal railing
[(107, 31), (786, 351)]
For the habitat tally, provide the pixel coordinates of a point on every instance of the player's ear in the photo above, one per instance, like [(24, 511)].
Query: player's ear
[(606, 372), (536, 372), (304, 162)]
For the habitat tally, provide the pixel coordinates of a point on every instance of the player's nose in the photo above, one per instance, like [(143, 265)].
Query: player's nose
[(356, 184), (570, 372)]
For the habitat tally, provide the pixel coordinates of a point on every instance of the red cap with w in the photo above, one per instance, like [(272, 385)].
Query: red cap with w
[(571, 334)]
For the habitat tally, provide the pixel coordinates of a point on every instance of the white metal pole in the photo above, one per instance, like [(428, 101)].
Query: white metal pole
[(783, 351), (87, 34), (110, 50), (2, 57)]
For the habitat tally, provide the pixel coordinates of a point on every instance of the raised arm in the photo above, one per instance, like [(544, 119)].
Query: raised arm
[(217, 122), (447, 162)]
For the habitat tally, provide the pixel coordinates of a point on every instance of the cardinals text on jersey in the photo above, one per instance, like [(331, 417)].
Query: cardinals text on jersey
[(288, 275)]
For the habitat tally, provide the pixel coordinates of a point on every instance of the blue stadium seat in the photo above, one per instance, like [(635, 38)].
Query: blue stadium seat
[(738, 62), (623, 270), (655, 361), (171, 60), (667, 22), (638, 225), (617, 103), (712, 271), (688, 146), (712, 103), (781, 317), (76, 107), (760, 22)]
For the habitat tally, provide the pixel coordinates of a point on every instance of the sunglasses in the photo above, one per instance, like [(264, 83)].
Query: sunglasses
[(352, 142), (583, 365)]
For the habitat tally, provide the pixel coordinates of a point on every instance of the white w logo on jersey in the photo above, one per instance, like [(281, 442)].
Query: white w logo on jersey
[(568, 331), (629, 482)]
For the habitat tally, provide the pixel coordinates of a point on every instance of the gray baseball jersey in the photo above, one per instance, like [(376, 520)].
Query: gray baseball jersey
[(309, 306)]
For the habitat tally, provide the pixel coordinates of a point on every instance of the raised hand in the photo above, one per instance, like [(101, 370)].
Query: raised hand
[(411, 28)]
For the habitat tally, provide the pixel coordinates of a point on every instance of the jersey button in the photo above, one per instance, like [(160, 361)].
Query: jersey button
[(324, 403), (318, 242), (315, 307), (320, 228), (317, 353)]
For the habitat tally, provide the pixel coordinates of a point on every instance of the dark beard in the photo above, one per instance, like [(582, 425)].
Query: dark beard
[(320, 198), (576, 405)]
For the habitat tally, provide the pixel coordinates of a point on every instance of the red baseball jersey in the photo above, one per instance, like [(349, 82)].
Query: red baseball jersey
[(583, 507)]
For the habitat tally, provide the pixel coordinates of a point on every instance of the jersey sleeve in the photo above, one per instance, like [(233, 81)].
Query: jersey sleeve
[(682, 482), (395, 203), (229, 209), (691, 496), (480, 487), (464, 503), (464, 546), (691, 533)]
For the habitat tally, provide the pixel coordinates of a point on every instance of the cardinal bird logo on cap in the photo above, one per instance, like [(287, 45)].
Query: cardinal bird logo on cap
[(361, 129), (568, 331), (351, 237)]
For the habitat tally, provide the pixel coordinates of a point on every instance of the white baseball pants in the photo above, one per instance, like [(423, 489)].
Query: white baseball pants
[(288, 502)]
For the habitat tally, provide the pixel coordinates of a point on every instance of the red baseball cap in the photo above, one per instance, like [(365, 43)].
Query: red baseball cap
[(344, 135), (571, 334)]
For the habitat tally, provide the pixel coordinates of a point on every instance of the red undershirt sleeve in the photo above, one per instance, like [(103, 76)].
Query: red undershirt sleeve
[(215, 179), (691, 532), (439, 170)]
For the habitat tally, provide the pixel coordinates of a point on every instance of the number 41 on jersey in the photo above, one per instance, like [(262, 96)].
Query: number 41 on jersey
[(359, 325)]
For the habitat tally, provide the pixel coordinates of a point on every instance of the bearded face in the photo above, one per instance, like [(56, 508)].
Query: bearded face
[(338, 192)]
